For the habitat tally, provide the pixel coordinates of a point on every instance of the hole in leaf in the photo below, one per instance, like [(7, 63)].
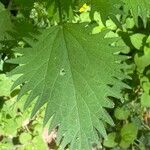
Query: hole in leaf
[(62, 72)]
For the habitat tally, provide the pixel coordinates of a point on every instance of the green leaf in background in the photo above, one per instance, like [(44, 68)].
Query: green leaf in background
[(129, 23), (121, 113), (107, 8), (5, 85), (72, 73), (137, 40), (138, 8), (110, 141), (145, 99), (39, 142), (142, 61), (6, 144), (5, 23), (128, 134), (145, 84), (9, 125), (25, 138)]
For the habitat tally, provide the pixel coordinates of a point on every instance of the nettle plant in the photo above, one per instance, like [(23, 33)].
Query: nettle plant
[(62, 65)]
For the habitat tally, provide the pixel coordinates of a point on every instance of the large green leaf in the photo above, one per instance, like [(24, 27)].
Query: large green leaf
[(73, 72), (138, 8)]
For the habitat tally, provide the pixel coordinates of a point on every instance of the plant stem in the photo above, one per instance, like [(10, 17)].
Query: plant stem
[(60, 12), (9, 5)]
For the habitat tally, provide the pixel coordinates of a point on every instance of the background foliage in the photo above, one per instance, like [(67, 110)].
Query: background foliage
[(21, 23)]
